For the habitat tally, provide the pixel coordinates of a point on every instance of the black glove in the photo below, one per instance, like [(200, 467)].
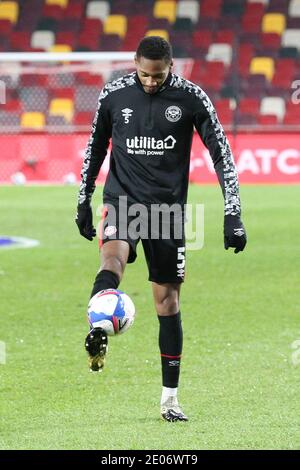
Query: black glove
[(234, 233), (84, 221)]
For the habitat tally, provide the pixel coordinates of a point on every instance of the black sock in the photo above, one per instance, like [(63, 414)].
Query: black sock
[(170, 345), (105, 280)]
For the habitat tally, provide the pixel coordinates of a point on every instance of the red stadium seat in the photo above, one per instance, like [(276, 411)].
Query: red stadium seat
[(210, 8), (267, 119), (53, 11), (224, 36), (66, 37), (249, 106), (83, 118), (202, 39)]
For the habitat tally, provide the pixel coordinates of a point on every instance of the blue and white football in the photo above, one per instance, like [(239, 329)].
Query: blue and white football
[(112, 310)]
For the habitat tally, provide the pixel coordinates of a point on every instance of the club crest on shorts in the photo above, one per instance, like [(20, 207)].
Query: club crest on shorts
[(110, 230), (173, 113)]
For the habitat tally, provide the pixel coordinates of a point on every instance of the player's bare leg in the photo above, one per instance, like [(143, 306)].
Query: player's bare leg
[(114, 256), (166, 299)]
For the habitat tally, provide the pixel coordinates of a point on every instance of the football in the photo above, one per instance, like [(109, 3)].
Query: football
[(112, 310)]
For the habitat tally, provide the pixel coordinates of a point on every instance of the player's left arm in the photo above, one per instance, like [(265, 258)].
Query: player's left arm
[(213, 136)]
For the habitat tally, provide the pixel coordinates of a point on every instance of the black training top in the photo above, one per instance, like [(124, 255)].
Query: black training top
[(151, 143)]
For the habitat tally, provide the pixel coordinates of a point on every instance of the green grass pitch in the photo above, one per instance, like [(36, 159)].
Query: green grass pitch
[(239, 382)]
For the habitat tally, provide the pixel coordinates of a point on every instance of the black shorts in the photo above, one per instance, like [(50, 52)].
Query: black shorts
[(160, 231)]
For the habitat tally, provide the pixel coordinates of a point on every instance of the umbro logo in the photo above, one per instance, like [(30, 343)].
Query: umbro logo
[(239, 232), (127, 113)]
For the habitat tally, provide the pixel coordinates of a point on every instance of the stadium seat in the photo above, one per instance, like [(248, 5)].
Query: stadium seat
[(158, 32), (87, 41), (202, 38), (181, 40), (232, 8), (93, 26), (278, 6), (251, 25), (67, 92), (5, 28), (291, 38), (137, 24), (210, 9), (53, 11), (110, 42), (31, 80), (270, 41), (86, 98), (273, 23), (267, 120), (249, 106), (61, 3), (47, 24), (159, 23), (283, 77), (75, 10), (11, 120), (59, 122), (262, 65), (115, 24), (83, 118), (188, 9), (9, 11), (246, 120), (294, 8), (254, 86), (292, 114), (220, 52), (183, 24), (13, 105), (20, 40), (60, 48), (99, 10), (288, 53), (293, 22), (245, 54), (273, 105), (121, 7), (33, 120), (86, 78), (62, 107), (225, 36), (66, 37), (165, 9), (42, 39), (254, 11), (34, 98)]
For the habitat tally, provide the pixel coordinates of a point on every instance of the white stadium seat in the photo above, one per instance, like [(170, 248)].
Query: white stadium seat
[(273, 105), (291, 38), (220, 52), (294, 8), (42, 39), (188, 9), (99, 10)]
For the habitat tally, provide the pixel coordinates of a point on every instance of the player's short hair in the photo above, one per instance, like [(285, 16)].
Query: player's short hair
[(155, 48)]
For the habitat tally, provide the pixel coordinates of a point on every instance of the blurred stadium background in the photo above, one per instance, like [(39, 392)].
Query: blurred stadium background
[(244, 53), (240, 375)]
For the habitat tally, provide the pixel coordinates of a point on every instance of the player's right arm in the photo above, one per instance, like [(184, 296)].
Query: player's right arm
[(94, 156)]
